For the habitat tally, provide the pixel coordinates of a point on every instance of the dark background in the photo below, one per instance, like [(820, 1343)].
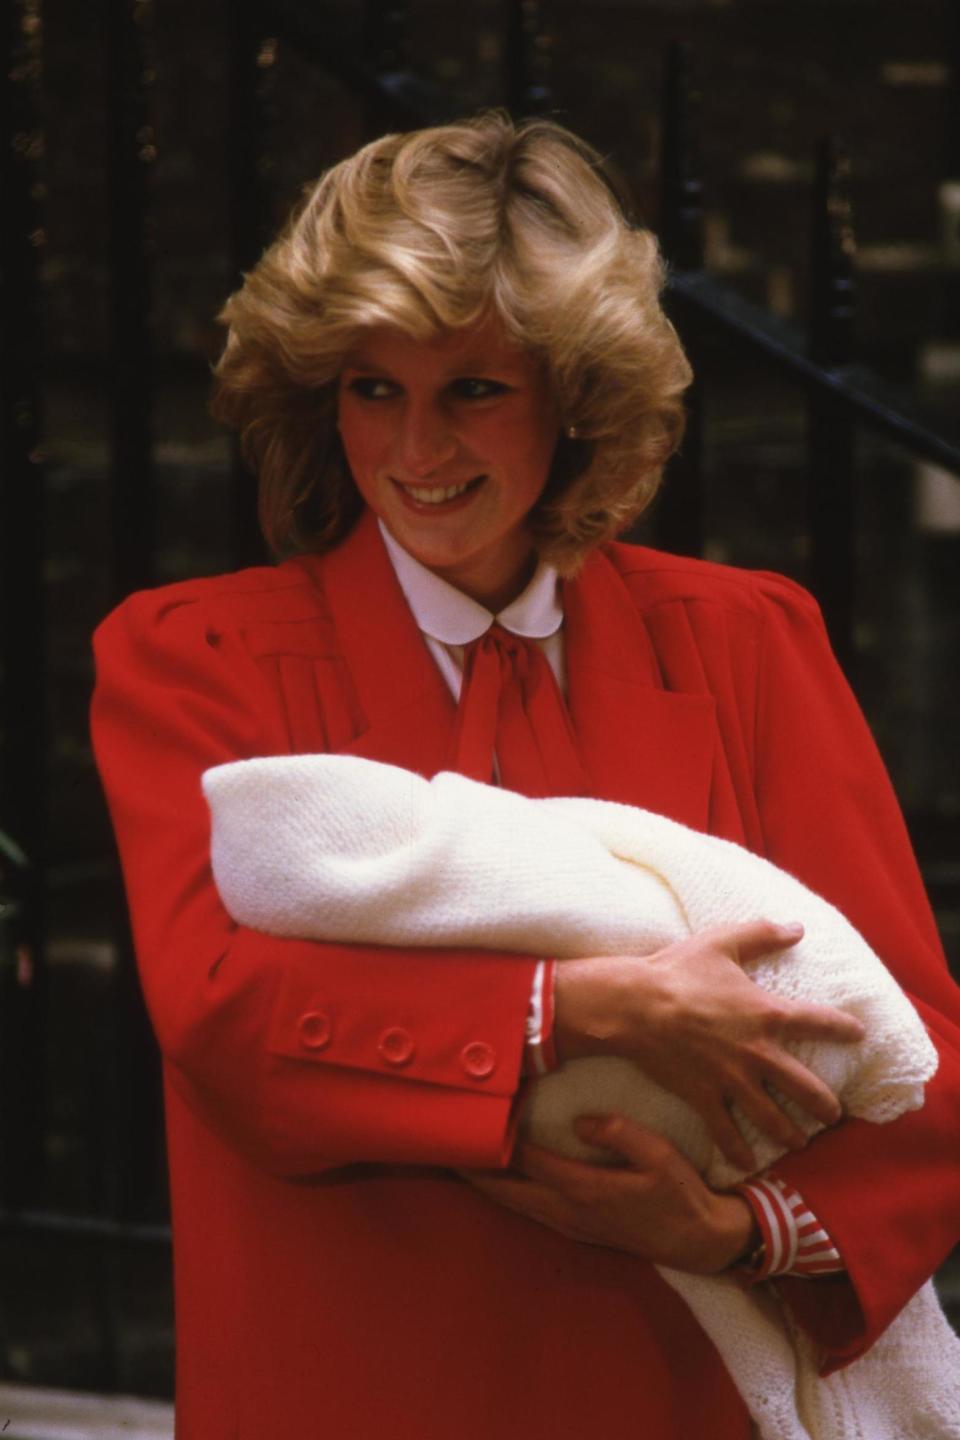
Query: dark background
[(774, 76)]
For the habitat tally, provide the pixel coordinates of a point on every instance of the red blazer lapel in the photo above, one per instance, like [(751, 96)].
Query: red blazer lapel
[(640, 744), (409, 709)]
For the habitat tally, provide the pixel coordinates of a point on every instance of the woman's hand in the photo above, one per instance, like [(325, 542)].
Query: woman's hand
[(695, 1023), (658, 1208)]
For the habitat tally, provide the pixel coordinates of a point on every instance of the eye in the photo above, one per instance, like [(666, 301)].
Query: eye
[(373, 387), (473, 387)]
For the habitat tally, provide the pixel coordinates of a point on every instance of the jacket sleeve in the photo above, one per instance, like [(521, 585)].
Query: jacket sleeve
[(889, 1195), (303, 1055)]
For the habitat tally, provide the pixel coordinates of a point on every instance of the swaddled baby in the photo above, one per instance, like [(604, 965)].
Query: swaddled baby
[(364, 852)]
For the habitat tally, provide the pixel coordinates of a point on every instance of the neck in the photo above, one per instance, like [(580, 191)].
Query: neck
[(497, 590)]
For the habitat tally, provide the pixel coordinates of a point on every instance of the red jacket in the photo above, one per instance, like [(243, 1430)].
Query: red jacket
[(332, 1277)]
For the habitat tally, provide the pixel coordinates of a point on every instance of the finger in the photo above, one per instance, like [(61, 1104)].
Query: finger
[(556, 1171), (807, 1090), (726, 1135), (821, 1022), (770, 1118), (643, 1149), (749, 941)]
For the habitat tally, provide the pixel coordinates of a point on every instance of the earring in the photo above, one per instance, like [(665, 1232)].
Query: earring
[(572, 432)]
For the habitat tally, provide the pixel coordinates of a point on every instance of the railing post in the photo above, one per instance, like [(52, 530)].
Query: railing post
[(132, 152), (679, 521), (951, 144), (526, 60), (831, 481), (127, 1174), (253, 81), (385, 28), (23, 734), (681, 191)]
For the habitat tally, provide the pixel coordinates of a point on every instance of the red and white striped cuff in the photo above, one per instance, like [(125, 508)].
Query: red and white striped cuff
[(794, 1241), (539, 1054)]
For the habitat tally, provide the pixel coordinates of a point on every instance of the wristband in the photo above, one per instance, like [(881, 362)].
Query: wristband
[(753, 1259)]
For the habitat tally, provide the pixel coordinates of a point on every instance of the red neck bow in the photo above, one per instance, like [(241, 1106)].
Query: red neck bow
[(511, 708)]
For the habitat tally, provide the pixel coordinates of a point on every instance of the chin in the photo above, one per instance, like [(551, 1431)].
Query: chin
[(431, 550), (437, 557)]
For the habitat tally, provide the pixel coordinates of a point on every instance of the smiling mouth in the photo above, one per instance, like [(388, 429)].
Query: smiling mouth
[(439, 494)]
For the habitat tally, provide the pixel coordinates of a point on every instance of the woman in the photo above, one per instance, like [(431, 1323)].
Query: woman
[(454, 379)]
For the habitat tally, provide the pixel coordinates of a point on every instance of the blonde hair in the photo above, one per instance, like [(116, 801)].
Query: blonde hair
[(432, 231)]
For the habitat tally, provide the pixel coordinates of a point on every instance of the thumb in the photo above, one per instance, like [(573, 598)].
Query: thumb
[(641, 1148), (758, 937)]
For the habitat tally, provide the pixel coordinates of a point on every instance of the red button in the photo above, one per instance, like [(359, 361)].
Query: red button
[(315, 1030), (396, 1046), (478, 1059)]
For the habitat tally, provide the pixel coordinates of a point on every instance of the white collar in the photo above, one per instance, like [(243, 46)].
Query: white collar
[(446, 614)]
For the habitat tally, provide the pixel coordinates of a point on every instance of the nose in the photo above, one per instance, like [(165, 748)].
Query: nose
[(426, 440)]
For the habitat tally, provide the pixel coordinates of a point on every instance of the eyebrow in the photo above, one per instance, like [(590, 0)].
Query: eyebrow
[(360, 362), (470, 365)]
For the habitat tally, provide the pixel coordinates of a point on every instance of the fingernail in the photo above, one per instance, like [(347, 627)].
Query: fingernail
[(589, 1126), (794, 928)]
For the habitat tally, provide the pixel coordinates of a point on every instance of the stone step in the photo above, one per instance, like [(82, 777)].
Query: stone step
[(30, 1413)]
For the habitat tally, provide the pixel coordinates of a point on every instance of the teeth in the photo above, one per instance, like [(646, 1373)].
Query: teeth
[(437, 494)]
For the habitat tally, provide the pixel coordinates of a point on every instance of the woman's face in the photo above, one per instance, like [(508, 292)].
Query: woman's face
[(450, 442)]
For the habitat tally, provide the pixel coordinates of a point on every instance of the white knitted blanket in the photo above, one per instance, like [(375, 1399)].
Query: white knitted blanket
[(341, 848)]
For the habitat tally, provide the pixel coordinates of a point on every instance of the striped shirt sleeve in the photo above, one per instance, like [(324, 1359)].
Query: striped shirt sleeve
[(539, 1054), (793, 1240)]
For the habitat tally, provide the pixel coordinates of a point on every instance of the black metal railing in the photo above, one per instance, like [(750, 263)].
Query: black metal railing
[(23, 627), (840, 398), (840, 395)]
